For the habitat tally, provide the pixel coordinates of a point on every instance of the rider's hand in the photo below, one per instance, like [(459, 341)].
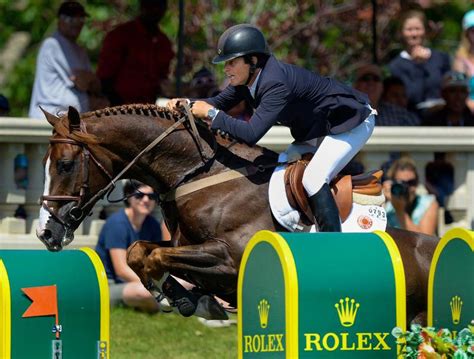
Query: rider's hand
[(173, 104), (200, 109)]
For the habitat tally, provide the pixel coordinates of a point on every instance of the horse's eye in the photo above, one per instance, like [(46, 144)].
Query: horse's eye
[(65, 166)]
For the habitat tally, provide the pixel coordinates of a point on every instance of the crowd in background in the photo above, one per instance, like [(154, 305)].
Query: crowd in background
[(420, 86)]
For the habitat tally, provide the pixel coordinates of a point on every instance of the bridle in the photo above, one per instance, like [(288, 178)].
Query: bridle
[(76, 213)]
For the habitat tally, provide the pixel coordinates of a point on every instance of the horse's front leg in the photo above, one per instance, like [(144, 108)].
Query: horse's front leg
[(209, 265), (136, 256)]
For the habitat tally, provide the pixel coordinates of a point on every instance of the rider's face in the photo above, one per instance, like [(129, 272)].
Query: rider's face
[(237, 71)]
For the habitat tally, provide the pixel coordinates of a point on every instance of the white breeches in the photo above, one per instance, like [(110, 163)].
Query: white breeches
[(334, 153)]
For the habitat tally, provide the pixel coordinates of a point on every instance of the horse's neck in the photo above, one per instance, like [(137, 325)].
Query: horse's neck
[(124, 137)]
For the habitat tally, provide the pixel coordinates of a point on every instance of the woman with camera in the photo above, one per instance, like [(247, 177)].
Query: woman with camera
[(405, 207)]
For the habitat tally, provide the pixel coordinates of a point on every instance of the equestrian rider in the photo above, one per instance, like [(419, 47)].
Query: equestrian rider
[(334, 119)]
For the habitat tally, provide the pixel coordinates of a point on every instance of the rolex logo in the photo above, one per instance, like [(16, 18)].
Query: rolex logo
[(263, 310), (456, 307), (347, 311)]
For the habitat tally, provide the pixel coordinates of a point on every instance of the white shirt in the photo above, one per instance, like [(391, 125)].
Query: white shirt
[(53, 89)]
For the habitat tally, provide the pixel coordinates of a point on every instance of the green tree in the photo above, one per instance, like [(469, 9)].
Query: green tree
[(328, 36)]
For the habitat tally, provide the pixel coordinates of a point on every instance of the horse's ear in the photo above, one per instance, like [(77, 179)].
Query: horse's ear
[(74, 119), (53, 120)]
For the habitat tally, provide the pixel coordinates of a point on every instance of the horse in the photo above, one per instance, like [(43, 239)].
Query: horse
[(213, 189)]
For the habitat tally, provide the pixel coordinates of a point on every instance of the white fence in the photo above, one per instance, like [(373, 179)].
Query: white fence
[(30, 136)]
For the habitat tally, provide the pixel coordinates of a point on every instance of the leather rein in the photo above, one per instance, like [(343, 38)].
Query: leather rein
[(76, 213)]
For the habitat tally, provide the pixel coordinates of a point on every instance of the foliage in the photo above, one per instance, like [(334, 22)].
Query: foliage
[(429, 343), (328, 36), (139, 335)]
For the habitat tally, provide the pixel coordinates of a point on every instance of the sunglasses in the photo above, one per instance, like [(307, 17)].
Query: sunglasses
[(151, 196), (367, 78), (409, 183)]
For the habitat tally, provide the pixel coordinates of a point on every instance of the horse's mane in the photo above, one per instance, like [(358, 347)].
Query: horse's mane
[(148, 110), (81, 135), (135, 109)]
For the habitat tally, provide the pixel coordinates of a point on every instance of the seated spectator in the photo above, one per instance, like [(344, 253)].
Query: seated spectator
[(121, 229), (4, 106), (394, 92), (464, 58), (203, 84), (64, 75), (455, 112), (368, 79), (420, 68), (135, 57), (405, 207)]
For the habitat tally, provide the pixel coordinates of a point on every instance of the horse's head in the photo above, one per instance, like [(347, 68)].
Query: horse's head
[(72, 176)]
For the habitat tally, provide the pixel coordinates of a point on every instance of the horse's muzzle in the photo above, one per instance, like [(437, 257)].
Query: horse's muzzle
[(55, 236)]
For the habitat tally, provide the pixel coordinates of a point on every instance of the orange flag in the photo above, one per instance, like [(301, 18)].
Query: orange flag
[(44, 301)]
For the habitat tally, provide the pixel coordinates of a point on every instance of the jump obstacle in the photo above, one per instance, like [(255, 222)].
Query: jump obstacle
[(53, 305), (339, 295)]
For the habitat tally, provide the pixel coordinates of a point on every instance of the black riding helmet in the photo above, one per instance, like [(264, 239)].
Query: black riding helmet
[(240, 40)]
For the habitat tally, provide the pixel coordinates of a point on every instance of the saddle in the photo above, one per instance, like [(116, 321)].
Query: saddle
[(343, 189)]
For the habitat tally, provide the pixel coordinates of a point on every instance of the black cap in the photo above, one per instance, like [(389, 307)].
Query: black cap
[(72, 8), (240, 40)]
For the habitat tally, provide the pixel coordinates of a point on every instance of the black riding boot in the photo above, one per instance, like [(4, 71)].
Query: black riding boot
[(325, 210)]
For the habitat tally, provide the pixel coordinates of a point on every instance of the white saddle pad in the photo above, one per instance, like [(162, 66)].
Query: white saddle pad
[(362, 218)]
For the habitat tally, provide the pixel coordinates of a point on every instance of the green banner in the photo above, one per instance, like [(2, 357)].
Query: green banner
[(325, 295), (451, 283), (82, 303)]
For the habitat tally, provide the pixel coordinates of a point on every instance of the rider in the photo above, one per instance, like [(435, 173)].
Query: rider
[(333, 118)]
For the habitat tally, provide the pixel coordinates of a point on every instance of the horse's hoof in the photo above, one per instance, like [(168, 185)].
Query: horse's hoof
[(208, 308), (185, 307)]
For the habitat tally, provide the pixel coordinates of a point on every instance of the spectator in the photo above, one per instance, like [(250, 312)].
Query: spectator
[(420, 67), (405, 207), (63, 71), (122, 229), (464, 59), (203, 84), (368, 79), (4, 106), (135, 57), (394, 92), (455, 90), (439, 175)]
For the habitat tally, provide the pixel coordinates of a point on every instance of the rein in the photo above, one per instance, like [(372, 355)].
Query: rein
[(76, 213)]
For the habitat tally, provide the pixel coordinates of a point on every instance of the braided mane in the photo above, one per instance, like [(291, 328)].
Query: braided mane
[(135, 109)]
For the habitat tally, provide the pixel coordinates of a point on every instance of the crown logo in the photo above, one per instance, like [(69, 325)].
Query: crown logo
[(263, 310), (347, 311), (456, 307)]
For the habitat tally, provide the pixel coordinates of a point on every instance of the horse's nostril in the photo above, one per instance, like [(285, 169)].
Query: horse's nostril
[(47, 234)]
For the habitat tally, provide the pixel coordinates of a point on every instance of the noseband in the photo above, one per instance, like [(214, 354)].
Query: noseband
[(76, 213)]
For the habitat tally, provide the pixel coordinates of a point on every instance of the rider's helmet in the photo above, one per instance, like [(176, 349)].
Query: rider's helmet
[(240, 40)]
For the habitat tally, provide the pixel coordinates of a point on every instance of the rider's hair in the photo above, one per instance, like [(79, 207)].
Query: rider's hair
[(129, 188), (261, 59)]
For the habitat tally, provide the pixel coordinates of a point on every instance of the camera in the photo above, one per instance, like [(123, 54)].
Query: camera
[(399, 189)]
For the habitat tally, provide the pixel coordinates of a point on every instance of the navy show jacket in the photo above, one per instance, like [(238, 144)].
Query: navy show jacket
[(310, 105)]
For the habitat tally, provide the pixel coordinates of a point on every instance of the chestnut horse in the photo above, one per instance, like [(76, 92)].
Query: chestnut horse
[(210, 223)]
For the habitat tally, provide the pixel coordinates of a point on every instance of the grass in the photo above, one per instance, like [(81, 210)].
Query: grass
[(142, 336)]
